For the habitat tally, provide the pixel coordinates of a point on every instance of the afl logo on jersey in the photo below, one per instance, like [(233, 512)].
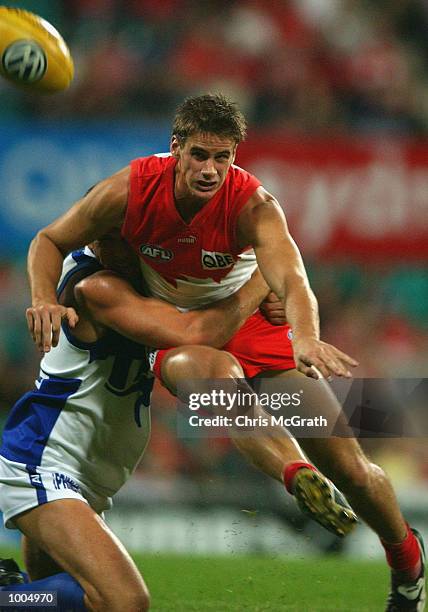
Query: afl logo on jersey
[(216, 261), (155, 252)]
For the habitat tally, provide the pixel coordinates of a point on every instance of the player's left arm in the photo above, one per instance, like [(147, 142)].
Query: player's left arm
[(262, 224)]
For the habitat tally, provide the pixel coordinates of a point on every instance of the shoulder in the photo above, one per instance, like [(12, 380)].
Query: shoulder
[(77, 266), (152, 164), (261, 213), (107, 200), (117, 183), (98, 289), (261, 203), (242, 179), (79, 292), (239, 188)]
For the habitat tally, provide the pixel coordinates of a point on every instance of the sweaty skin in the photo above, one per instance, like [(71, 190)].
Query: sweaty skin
[(202, 165), (80, 539), (107, 301)]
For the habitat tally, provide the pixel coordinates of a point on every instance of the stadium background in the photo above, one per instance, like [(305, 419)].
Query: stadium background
[(336, 93)]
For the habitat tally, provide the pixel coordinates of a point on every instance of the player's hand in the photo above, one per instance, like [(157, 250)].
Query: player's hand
[(273, 309), (314, 357), (44, 323)]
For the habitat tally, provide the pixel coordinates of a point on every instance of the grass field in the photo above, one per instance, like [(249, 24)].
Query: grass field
[(261, 584)]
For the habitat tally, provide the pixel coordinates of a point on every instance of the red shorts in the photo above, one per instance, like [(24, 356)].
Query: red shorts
[(258, 346)]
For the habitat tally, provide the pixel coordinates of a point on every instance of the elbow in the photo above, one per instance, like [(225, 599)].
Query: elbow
[(38, 239), (79, 293), (42, 240), (202, 335), (212, 338), (82, 292)]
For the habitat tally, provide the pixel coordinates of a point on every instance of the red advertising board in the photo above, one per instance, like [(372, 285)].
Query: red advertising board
[(364, 199)]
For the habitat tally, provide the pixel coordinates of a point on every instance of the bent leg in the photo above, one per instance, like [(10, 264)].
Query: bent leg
[(37, 563), (341, 458), (271, 452), (270, 448), (69, 593), (197, 362), (78, 540), (364, 483)]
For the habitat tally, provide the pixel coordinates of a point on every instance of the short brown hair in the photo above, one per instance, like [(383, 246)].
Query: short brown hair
[(213, 114)]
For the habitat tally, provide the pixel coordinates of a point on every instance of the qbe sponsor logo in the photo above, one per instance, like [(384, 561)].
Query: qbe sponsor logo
[(211, 260)]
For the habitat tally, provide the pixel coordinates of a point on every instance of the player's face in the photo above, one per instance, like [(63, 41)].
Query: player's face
[(202, 166)]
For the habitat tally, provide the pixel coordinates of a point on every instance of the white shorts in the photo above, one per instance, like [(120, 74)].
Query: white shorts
[(23, 487)]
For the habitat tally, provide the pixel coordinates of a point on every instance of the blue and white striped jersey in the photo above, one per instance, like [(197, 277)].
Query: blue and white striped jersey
[(90, 409)]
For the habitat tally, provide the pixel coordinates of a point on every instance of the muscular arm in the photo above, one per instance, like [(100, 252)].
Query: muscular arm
[(280, 262), (98, 212), (262, 223), (110, 301)]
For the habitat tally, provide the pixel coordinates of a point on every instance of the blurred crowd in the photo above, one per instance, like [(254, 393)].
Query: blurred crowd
[(308, 65)]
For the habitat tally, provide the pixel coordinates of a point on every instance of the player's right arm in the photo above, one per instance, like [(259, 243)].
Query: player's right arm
[(262, 224), (109, 301), (98, 212)]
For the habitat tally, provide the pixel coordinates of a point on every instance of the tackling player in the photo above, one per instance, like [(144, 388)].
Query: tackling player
[(192, 217), (75, 439)]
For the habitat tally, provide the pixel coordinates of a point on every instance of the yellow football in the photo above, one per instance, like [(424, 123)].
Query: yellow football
[(33, 53)]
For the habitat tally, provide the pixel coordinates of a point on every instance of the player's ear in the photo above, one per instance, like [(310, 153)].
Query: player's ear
[(174, 146), (234, 153)]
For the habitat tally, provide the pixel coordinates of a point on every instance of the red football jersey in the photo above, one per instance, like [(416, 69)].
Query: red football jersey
[(192, 264), (188, 264)]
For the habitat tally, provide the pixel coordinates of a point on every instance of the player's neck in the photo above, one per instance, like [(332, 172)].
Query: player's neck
[(188, 204), (188, 207)]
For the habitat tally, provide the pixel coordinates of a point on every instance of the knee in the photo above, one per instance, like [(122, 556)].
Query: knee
[(131, 600), (225, 365), (126, 592), (136, 602), (196, 362)]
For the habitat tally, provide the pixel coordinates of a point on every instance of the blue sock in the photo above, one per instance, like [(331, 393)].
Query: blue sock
[(69, 592)]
